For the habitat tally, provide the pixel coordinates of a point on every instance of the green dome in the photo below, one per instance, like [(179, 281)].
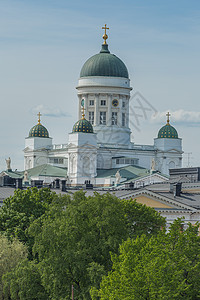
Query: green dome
[(168, 132), (104, 64), (83, 125), (39, 131)]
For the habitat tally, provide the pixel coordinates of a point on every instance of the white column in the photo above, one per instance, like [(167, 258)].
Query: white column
[(96, 109), (127, 111), (109, 104), (119, 113)]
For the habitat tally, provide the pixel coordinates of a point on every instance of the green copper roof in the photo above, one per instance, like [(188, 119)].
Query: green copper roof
[(168, 132), (83, 125), (104, 64), (47, 170), (38, 131)]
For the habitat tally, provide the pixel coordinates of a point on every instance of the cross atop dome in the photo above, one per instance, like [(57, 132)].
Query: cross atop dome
[(39, 115), (83, 112), (105, 36), (168, 115)]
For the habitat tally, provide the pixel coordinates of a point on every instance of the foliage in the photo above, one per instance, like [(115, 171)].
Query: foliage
[(20, 210), (166, 266), (71, 239), (24, 283), (75, 247), (11, 253)]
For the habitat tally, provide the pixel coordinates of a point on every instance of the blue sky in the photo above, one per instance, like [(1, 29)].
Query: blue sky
[(43, 45)]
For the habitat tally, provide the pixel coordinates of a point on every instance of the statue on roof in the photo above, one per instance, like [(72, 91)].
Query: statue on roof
[(118, 178), (8, 163), (153, 164), (25, 176)]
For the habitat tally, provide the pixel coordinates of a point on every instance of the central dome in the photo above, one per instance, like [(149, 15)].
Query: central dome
[(104, 64)]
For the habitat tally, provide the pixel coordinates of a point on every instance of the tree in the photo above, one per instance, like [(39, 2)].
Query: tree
[(20, 210), (73, 244), (11, 253), (166, 266), (24, 283)]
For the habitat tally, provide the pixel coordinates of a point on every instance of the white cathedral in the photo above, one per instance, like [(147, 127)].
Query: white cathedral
[(100, 143)]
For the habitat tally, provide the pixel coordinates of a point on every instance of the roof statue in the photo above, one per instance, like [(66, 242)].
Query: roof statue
[(8, 163), (153, 164), (118, 178), (25, 176)]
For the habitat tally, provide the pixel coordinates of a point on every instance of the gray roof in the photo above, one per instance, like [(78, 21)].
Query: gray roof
[(185, 201)]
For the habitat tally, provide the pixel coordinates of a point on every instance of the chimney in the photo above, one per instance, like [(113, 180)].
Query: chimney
[(63, 188), (177, 190)]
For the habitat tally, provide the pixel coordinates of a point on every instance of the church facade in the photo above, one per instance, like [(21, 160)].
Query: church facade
[(101, 139)]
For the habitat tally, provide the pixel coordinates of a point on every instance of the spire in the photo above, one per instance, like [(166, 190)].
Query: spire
[(105, 36), (168, 115), (39, 115)]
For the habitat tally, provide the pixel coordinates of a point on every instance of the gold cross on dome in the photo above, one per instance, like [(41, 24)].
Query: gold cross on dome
[(39, 115), (105, 36), (83, 112), (168, 115)]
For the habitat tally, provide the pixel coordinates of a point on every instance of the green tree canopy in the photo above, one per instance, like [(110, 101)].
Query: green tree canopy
[(24, 283), (11, 253), (20, 210), (166, 266), (73, 244)]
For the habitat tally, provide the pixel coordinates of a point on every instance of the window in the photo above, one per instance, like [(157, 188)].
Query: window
[(123, 104), (59, 161), (114, 118), (103, 102), (102, 117), (91, 117), (125, 161), (91, 102), (123, 119)]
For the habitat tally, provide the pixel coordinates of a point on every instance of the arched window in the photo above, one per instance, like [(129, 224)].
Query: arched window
[(171, 165)]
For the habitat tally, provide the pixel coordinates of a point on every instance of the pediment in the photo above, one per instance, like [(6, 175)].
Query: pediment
[(173, 151), (156, 200), (27, 149)]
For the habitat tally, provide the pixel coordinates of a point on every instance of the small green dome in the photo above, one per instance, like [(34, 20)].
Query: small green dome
[(104, 64), (38, 131), (83, 125), (168, 132)]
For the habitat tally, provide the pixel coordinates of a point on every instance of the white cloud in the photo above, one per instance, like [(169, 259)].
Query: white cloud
[(178, 116), (49, 111)]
